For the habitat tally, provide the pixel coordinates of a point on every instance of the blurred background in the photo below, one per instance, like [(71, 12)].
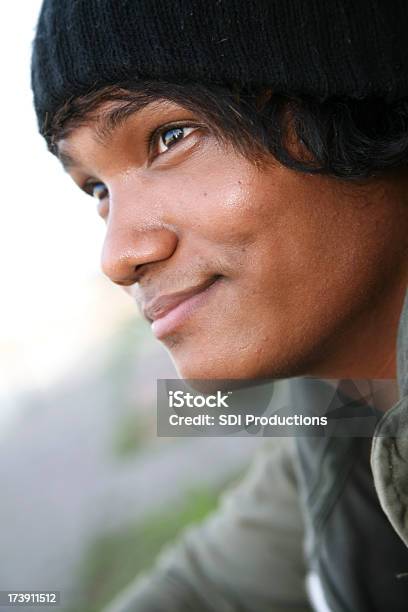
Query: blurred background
[(89, 493)]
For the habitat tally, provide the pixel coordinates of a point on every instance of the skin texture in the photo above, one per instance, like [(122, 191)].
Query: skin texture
[(311, 271)]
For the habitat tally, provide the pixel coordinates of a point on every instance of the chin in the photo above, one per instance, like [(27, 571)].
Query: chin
[(204, 365), (202, 369), (207, 361), (208, 365)]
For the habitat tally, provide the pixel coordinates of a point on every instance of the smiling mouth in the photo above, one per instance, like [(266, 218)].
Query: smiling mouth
[(168, 312)]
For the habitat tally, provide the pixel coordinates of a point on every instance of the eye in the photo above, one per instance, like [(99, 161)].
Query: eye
[(97, 190), (168, 137)]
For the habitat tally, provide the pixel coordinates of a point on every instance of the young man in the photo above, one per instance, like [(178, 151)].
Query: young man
[(249, 160)]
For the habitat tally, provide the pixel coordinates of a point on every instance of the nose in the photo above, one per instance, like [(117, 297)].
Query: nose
[(126, 249)]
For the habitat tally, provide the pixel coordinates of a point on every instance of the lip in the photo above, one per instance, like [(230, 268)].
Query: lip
[(167, 312)]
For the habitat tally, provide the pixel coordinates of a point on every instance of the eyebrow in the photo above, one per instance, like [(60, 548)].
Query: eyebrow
[(109, 120), (67, 160), (105, 125)]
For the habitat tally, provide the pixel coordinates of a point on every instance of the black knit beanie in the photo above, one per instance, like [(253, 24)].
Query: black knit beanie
[(321, 48)]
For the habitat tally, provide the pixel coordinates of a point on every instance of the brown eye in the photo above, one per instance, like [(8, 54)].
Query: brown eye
[(169, 137)]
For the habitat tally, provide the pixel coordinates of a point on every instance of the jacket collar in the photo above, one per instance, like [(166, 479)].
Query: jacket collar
[(389, 451)]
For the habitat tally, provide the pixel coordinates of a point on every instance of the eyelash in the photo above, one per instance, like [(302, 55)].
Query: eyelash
[(152, 140)]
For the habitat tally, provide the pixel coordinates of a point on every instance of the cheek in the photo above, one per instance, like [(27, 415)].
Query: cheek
[(217, 200), (319, 258), (300, 233)]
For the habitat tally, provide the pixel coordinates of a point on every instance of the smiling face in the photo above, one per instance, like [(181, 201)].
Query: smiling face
[(246, 270)]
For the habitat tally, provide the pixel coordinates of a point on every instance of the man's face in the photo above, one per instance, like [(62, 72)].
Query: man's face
[(246, 270)]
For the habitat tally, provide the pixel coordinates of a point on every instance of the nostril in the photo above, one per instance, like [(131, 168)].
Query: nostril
[(124, 273), (126, 278), (139, 271)]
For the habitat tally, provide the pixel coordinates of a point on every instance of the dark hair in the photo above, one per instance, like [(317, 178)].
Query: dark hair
[(342, 138)]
